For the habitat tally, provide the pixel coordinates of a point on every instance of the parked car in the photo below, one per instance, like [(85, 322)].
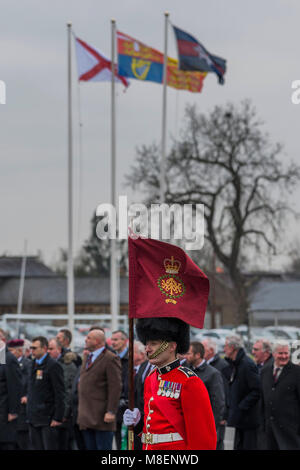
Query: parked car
[(218, 334), (284, 332)]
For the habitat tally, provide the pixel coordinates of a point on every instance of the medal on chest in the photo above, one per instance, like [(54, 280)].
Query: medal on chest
[(169, 389)]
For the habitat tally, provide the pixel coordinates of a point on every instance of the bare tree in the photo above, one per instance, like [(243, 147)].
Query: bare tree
[(294, 254), (93, 258), (225, 161)]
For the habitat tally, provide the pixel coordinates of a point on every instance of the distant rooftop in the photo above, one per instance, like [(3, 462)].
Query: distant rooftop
[(275, 295), (53, 291), (10, 266)]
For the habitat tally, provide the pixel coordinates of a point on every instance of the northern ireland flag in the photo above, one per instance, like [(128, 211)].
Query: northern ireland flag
[(93, 66)]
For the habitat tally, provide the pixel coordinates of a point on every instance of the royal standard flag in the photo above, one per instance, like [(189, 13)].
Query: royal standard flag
[(190, 81), (136, 60)]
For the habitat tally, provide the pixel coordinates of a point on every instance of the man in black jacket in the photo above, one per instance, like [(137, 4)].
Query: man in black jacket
[(262, 355), (213, 359), (281, 400), (10, 395), (211, 377), (119, 342), (65, 434), (16, 346), (64, 340), (142, 367), (244, 395), (46, 397)]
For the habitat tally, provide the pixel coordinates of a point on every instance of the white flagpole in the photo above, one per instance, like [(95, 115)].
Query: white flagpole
[(164, 117), (114, 307), (70, 271), (21, 288)]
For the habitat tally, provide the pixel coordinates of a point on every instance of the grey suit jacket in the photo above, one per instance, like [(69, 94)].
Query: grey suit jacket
[(213, 381)]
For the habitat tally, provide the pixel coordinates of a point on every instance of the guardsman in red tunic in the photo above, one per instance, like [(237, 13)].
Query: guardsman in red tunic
[(177, 410)]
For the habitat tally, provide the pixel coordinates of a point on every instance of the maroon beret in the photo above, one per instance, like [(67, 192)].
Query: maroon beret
[(15, 343)]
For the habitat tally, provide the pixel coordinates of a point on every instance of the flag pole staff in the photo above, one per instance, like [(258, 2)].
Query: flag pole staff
[(130, 359), (21, 287), (164, 116), (113, 255), (70, 270)]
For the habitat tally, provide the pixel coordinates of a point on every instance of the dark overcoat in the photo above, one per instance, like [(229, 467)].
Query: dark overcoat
[(25, 365), (10, 396), (213, 381), (244, 393), (281, 405), (124, 393), (46, 393), (224, 367)]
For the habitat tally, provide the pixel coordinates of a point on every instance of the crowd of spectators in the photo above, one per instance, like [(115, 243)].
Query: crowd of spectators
[(52, 398)]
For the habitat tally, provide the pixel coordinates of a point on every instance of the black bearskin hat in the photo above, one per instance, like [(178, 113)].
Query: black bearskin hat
[(165, 329)]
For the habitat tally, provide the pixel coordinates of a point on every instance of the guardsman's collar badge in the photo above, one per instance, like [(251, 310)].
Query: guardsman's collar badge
[(169, 367)]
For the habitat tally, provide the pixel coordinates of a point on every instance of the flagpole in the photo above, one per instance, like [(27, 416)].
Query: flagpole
[(21, 288), (131, 389), (70, 270), (113, 254), (164, 117)]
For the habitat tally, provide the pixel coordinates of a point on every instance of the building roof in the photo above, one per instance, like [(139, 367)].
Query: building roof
[(10, 266), (53, 291), (274, 295)]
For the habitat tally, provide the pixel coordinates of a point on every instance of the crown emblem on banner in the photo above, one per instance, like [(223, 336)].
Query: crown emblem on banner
[(170, 284), (172, 265)]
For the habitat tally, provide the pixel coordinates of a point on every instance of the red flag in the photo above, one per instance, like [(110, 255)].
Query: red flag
[(165, 282)]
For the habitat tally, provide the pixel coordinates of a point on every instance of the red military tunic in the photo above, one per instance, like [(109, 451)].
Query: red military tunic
[(189, 414)]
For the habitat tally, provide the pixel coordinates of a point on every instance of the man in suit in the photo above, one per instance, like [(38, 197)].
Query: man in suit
[(99, 393), (142, 367), (262, 353), (69, 368), (15, 346), (244, 394), (281, 400), (64, 339), (10, 395), (213, 359), (211, 377), (119, 342), (46, 397)]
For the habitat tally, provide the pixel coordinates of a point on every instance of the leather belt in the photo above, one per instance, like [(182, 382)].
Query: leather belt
[(159, 438)]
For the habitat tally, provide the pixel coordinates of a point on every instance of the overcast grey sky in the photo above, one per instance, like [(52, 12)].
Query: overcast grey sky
[(259, 39)]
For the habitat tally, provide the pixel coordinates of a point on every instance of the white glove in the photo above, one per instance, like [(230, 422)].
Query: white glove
[(131, 418)]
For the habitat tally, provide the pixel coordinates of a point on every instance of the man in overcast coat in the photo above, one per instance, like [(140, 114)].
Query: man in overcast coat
[(99, 391), (281, 400)]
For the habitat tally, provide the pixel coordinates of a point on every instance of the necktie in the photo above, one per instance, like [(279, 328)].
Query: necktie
[(89, 360), (276, 373)]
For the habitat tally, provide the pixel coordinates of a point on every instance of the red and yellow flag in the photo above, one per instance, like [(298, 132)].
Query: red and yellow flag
[(139, 61)]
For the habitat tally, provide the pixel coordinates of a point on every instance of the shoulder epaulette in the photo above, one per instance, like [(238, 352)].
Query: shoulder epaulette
[(151, 371), (187, 372)]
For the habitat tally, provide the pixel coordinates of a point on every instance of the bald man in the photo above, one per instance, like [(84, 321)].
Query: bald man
[(99, 392)]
